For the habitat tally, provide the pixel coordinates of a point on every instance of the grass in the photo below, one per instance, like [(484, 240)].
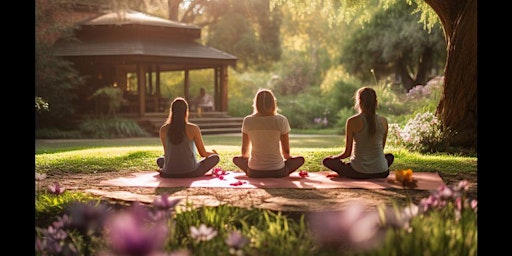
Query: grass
[(110, 155)]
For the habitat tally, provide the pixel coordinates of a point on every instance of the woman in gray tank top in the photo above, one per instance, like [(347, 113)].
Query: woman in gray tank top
[(365, 139), (182, 141)]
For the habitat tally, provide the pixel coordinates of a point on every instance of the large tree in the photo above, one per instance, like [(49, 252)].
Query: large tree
[(457, 108)]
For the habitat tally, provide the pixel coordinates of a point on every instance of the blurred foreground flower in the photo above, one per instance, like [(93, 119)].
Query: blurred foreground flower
[(404, 178), (56, 189), (404, 175), (236, 241), (354, 226), (203, 233), (130, 232), (163, 202)]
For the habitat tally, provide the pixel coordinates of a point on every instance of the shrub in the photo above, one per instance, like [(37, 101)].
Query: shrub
[(105, 128), (423, 133)]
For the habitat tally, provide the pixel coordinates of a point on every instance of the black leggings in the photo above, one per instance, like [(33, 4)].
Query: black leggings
[(345, 170), (203, 167), (290, 165)]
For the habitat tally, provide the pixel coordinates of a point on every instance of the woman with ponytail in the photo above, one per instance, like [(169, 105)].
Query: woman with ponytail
[(365, 139), (182, 141)]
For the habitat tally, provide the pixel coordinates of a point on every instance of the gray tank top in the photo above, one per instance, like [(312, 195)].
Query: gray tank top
[(368, 153), (180, 158)]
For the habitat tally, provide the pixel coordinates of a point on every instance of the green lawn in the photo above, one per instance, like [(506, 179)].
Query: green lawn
[(110, 155)]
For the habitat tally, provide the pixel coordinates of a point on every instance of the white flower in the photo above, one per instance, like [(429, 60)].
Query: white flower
[(204, 233)]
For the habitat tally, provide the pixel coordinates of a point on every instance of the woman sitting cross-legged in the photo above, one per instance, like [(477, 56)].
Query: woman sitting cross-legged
[(365, 139), (265, 142), (181, 141)]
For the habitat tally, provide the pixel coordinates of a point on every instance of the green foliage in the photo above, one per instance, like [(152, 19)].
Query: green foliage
[(248, 30), (393, 42), (113, 97), (55, 78), (439, 232), (48, 206), (270, 232), (111, 128), (52, 133), (41, 104), (243, 88)]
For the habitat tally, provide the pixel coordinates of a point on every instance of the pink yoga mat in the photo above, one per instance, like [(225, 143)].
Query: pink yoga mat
[(313, 180)]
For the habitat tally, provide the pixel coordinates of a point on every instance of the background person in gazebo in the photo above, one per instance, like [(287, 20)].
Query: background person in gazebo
[(204, 101)]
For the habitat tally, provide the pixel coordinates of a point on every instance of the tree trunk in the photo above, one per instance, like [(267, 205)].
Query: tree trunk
[(457, 108), (423, 72), (174, 7), (407, 81)]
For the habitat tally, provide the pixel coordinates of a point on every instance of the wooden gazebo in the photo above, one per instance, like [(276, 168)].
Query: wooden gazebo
[(113, 46)]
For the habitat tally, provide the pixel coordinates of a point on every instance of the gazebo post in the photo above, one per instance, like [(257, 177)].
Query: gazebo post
[(141, 88)]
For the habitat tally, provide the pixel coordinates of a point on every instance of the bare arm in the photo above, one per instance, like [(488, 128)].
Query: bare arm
[(163, 134), (352, 125), (246, 143), (285, 146), (198, 139)]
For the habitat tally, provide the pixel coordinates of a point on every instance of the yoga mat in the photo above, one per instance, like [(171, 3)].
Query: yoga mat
[(313, 180)]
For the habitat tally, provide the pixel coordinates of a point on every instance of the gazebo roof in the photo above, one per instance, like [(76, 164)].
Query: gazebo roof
[(135, 36), (133, 17)]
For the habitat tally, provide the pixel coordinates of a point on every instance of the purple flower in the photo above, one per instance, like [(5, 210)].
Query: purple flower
[(88, 216), (163, 202), (130, 233), (354, 226), (203, 233), (56, 189), (236, 240)]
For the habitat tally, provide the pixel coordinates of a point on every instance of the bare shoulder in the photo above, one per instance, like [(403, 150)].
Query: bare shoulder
[(383, 120), (192, 128), (355, 119), (164, 127)]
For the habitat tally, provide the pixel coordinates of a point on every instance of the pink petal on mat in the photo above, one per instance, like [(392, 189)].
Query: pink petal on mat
[(303, 174), (238, 183)]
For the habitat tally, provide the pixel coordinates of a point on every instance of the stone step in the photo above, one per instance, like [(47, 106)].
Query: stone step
[(209, 122)]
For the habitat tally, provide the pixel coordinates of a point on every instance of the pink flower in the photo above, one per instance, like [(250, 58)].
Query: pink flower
[(56, 189)]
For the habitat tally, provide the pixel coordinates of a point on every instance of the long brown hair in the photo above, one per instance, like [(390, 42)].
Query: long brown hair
[(264, 102), (366, 103), (178, 117)]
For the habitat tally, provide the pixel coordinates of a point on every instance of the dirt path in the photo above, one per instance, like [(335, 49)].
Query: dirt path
[(277, 199)]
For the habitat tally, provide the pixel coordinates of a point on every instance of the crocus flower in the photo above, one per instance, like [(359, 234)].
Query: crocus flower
[(131, 234), (203, 233), (56, 189)]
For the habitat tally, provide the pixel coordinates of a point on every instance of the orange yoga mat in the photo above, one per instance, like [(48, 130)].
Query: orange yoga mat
[(313, 180)]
